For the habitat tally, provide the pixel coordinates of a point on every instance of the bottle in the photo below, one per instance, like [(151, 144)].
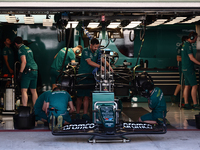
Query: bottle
[(141, 63), (146, 62)]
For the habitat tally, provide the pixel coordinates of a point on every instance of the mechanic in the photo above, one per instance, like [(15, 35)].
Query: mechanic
[(88, 63), (58, 61), (156, 103), (57, 103), (8, 56), (188, 70), (28, 72), (39, 113), (178, 58)]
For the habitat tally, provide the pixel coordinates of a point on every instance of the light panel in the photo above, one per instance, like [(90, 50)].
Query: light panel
[(113, 25), (132, 24), (158, 22), (74, 24), (176, 20), (195, 19), (29, 20), (11, 19), (47, 22), (93, 25)]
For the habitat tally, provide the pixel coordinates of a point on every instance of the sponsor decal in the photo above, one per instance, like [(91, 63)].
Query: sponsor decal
[(137, 126), (87, 126)]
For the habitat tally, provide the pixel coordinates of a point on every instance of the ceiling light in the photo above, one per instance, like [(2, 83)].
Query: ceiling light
[(11, 19), (158, 22), (29, 20), (133, 24), (47, 22), (113, 25), (197, 18), (176, 20), (93, 25), (74, 24)]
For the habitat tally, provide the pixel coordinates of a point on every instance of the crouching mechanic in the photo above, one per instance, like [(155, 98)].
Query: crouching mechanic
[(39, 113), (156, 103), (57, 103)]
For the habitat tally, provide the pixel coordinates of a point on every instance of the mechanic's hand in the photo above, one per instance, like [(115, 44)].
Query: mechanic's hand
[(111, 69), (11, 71), (102, 68), (19, 77)]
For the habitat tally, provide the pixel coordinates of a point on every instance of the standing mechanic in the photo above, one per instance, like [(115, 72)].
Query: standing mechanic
[(28, 71), (8, 56), (58, 61), (156, 103), (188, 69), (88, 63), (178, 58)]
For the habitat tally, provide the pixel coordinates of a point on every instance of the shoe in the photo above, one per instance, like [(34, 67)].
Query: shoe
[(59, 122), (196, 107), (187, 107), (86, 117), (52, 121), (160, 121), (78, 116)]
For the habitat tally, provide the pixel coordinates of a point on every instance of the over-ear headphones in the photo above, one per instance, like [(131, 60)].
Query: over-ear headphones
[(192, 35), (77, 51)]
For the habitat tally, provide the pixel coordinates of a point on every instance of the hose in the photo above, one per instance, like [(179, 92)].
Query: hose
[(130, 37)]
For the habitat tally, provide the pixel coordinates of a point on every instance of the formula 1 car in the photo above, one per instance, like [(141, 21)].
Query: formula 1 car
[(106, 121)]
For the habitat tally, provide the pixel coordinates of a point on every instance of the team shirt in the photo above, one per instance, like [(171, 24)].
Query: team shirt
[(157, 101), (59, 100), (187, 64), (58, 61), (30, 62), (87, 54), (8, 52), (40, 101)]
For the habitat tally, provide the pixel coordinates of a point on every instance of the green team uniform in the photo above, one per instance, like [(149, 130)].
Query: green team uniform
[(29, 78), (188, 65), (8, 52), (157, 104), (179, 62), (58, 61), (39, 113), (59, 100), (86, 68)]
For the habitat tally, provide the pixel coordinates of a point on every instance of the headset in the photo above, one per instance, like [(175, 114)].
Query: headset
[(193, 35), (77, 51)]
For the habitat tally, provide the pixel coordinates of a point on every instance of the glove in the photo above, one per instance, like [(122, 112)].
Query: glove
[(19, 77)]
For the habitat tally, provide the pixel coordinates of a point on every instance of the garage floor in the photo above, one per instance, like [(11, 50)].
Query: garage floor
[(183, 137)]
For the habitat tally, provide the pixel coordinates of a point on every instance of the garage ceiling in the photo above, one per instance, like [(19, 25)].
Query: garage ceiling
[(128, 10)]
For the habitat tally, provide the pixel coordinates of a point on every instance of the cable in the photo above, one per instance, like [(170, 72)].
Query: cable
[(61, 71), (142, 39)]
